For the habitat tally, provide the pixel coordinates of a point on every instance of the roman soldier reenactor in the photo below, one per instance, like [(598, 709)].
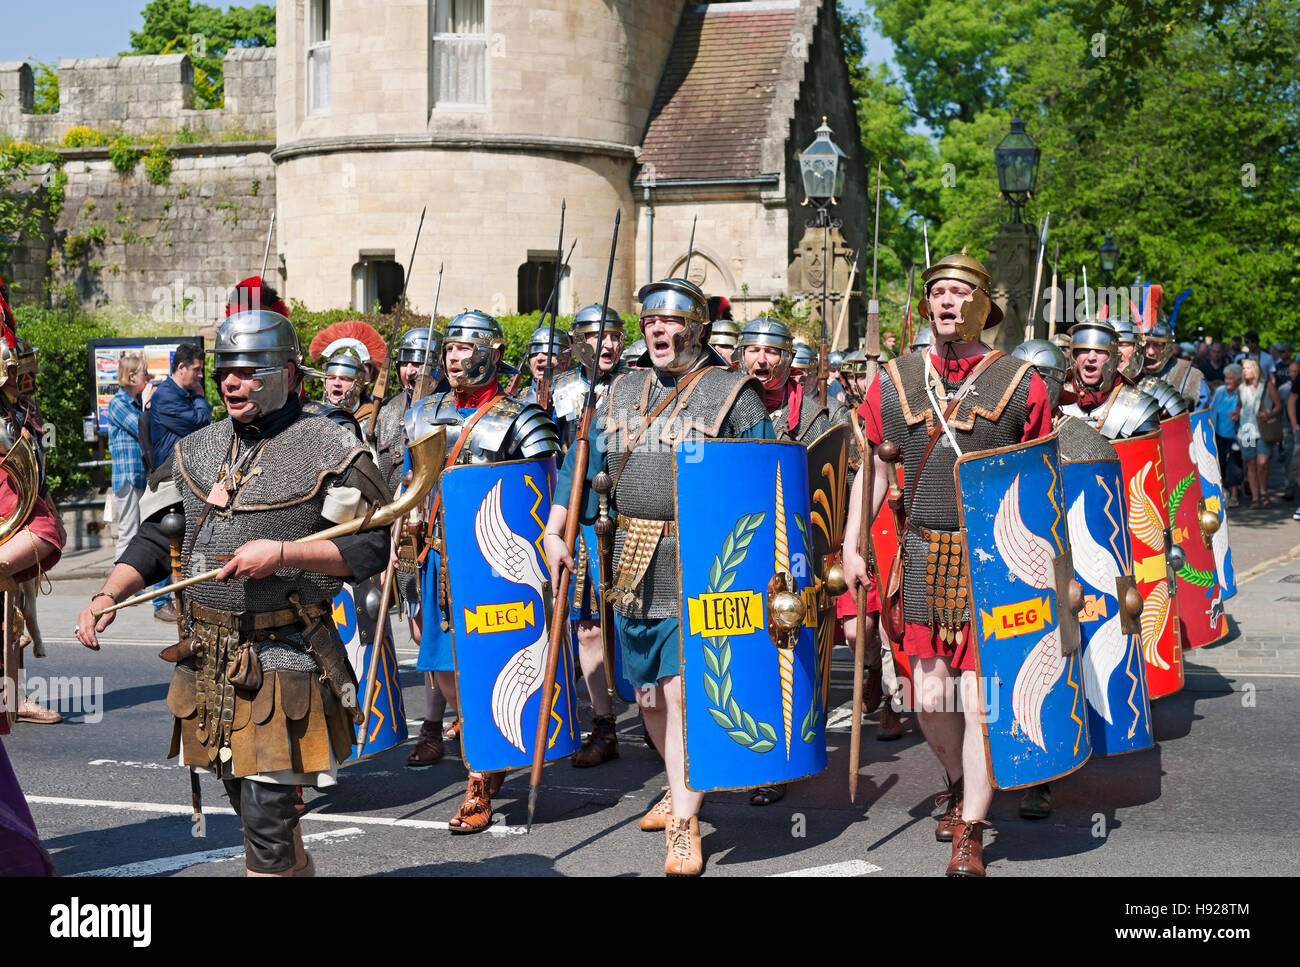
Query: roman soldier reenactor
[(958, 397), (633, 437), (259, 637)]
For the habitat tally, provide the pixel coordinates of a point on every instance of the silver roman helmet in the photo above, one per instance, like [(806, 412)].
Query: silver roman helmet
[(725, 333), (1163, 338), (348, 364), (540, 341), (805, 357), (586, 321), (773, 333), (633, 352), (266, 342), (679, 299), (922, 340), (415, 345), (1130, 335), (484, 333), (835, 360), (1050, 363), (1100, 335)]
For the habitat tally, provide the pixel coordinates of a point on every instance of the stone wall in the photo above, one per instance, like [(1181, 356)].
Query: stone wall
[(172, 251), (140, 96)]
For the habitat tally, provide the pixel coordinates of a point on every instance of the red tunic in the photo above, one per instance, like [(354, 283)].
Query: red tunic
[(919, 640), (41, 522)]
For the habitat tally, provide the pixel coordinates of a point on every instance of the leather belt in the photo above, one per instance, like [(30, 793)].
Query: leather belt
[(669, 526), (250, 621)]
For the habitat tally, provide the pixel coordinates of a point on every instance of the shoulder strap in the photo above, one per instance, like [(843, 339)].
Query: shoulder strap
[(988, 360), (682, 383)]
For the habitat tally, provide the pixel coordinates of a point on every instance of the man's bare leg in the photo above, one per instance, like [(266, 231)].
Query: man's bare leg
[(591, 656), (978, 794), (933, 687)]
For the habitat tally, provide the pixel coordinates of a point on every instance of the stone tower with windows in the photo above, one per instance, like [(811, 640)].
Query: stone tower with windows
[(488, 112)]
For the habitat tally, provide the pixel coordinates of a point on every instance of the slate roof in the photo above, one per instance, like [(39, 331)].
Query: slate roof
[(711, 112)]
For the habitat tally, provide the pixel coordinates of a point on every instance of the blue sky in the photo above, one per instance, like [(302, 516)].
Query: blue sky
[(51, 29)]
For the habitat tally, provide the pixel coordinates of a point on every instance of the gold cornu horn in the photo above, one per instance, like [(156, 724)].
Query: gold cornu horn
[(427, 456), (24, 476)]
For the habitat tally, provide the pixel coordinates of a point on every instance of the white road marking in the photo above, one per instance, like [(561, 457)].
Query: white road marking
[(847, 868), (498, 828), (170, 864)]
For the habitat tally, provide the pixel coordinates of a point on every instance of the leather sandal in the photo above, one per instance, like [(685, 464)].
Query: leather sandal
[(453, 730), (767, 795), (659, 814), (601, 745), (475, 813), (429, 747), (950, 822), (1036, 803), (685, 857), (968, 849)]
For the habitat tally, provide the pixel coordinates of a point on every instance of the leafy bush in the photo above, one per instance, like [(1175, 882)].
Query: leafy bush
[(83, 137), (45, 93), (185, 136), (123, 155), (158, 165), (63, 389)]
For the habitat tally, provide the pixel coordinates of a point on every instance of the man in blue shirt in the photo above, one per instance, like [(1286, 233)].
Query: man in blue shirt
[(176, 410), (124, 413)]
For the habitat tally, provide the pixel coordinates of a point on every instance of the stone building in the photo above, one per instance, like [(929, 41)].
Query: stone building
[(487, 113)]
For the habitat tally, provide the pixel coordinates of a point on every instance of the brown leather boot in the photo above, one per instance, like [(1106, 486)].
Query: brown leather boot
[(891, 725), (968, 849), (659, 814), (950, 822), (429, 747), (601, 745), (874, 692), (684, 855)]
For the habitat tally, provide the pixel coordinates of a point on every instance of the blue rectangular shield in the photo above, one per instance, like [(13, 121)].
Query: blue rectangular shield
[(1114, 674), (377, 679), (493, 518), (752, 713), (1205, 454), (1012, 508)]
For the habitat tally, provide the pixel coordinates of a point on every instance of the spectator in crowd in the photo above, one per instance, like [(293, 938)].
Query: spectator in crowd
[(1234, 346), (1212, 366), (889, 341), (1223, 408), (176, 410), (1253, 351), (1281, 352), (1286, 391), (124, 411), (1202, 353), (1293, 419), (1258, 403)]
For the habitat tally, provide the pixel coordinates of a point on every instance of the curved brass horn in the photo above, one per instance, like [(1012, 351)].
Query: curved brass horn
[(427, 456), (24, 476)]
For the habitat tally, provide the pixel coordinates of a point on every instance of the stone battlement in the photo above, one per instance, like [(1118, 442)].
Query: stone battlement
[(139, 96)]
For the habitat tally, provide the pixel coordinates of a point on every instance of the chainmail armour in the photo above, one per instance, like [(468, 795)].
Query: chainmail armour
[(992, 414), (720, 404), (389, 441), (1078, 442), (814, 420), (281, 498), (569, 396)]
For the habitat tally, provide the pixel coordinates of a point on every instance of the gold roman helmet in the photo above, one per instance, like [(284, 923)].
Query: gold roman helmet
[(981, 312)]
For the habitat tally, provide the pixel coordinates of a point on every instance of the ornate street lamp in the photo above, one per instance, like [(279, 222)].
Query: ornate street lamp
[(1108, 256), (823, 167), (1017, 160)]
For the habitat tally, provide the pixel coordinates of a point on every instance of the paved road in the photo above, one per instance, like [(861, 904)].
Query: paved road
[(1216, 796)]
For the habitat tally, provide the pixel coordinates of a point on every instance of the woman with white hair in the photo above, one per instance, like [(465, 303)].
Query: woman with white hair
[(1258, 402), (1224, 404)]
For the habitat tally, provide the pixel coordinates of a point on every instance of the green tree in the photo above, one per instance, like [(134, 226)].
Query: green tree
[(205, 33), (1180, 139), (45, 93)]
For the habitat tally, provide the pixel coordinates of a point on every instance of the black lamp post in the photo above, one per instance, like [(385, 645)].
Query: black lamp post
[(1108, 256), (823, 167), (1017, 160)]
